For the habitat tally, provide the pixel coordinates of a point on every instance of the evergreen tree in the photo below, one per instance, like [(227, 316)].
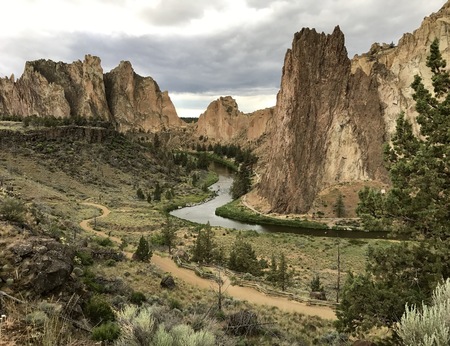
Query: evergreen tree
[(273, 270), (202, 161), (417, 206), (284, 276), (315, 284), (140, 195), (418, 203), (339, 207), (157, 193), (204, 246), (243, 258), (242, 182), (143, 252), (168, 234)]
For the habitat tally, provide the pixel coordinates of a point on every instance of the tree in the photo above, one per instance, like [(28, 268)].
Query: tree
[(204, 250), (157, 193), (416, 206), (243, 258), (279, 273), (168, 233), (140, 194), (419, 166), (284, 274), (401, 273), (242, 182), (315, 284), (339, 207), (143, 252)]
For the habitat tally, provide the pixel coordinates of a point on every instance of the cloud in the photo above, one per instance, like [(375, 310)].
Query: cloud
[(175, 12), (209, 47)]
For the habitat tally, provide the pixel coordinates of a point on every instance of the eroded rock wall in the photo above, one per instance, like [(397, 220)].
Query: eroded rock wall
[(81, 89), (224, 122), (333, 114)]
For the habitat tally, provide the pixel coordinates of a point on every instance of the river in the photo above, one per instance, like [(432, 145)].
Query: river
[(205, 212)]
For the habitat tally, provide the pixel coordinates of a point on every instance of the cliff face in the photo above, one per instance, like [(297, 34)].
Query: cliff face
[(333, 114), (137, 102), (223, 122), (81, 89), (325, 125)]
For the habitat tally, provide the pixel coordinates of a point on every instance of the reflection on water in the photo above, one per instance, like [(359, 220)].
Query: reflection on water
[(205, 212)]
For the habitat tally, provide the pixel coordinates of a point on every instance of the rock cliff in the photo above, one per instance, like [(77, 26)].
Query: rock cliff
[(223, 122), (136, 102), (81, 89), (333, 114)]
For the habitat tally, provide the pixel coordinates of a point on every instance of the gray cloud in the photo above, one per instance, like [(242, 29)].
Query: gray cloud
[(175, 12), (240, 58)]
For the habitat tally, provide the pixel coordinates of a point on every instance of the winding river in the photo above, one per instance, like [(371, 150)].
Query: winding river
[(205, 212)]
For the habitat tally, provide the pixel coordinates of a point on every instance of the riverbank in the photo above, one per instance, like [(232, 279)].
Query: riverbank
[(236, 210)]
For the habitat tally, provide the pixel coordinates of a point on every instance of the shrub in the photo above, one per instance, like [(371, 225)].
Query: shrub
[(137, 324), (429, 325), (175, 304), (98, 310), (12, 209), (84, 257), (137, 298), (108, 331)]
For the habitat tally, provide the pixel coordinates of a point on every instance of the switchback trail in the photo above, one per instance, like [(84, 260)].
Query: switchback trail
[(243, 293)]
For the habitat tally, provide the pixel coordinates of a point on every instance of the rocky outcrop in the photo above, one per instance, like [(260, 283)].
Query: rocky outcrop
[(333, 114), (137, 103), (41, 265), (328, 126), (80, 89), (224, 122), (82, 83)]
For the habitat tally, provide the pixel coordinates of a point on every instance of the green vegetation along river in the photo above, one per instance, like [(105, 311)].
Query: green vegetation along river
[(205, 212)]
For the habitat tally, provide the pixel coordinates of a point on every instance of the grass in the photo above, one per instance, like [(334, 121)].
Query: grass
[(58, 176), (236, 211)]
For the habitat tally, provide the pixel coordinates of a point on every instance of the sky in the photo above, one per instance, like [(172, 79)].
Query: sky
[(198, 50)]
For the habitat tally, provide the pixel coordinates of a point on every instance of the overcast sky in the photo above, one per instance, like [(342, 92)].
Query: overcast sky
[(198, 50)]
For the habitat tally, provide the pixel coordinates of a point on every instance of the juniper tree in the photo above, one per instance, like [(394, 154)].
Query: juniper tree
[(205, 246), (168, 234), (416, 206), (143, 252)]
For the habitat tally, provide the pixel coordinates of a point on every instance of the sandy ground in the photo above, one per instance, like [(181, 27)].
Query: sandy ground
[(242, 293)]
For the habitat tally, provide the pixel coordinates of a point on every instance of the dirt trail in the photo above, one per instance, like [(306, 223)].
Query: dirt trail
[(243, 293)]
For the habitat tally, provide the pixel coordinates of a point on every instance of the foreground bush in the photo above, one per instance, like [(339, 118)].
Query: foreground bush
[(430, 325), (139, 327)]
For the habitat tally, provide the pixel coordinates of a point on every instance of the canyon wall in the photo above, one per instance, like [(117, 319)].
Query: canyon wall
[(81, 89), (333, 114), (223, 122)]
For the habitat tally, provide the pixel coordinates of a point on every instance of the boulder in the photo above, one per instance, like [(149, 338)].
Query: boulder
[(40, 264), (168, 282)]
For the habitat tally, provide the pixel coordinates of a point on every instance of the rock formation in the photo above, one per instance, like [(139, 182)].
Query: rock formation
[(80, 89), (136, 102), (223, 122), (328, 126), (39, 264), (333, 114)]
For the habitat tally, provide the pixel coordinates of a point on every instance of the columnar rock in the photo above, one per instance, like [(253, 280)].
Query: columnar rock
[(82, 83), (32, 94), (80, 89), (333, 115), (224, 122), (136, 102), (327, 127)]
